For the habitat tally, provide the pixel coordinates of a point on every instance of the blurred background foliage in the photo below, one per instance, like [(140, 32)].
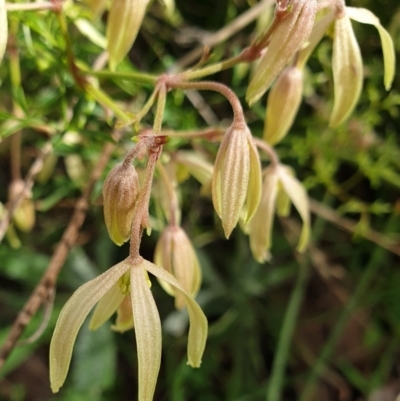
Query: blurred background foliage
[(341, 299)]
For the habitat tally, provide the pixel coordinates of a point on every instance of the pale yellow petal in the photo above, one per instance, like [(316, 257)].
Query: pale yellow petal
[(198, 322), (347, 71), (389, 57), (106, 307), (260, 226), (124, 21), (3, 28), (148, 333), (71, 319), (254, 185), (299, 198)]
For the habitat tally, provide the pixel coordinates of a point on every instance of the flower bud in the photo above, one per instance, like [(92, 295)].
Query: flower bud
[(124, 21), (291, 33), (175, 253), (347, 71), (120, 191), (282, 105), (236, 183), (3, 28), (24, 216)]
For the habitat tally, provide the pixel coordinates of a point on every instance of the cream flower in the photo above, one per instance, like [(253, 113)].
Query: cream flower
[(110, 289), (279, 186)]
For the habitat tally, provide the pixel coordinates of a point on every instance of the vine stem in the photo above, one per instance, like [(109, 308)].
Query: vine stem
[(269, 150), (141, 215), (175, 82)]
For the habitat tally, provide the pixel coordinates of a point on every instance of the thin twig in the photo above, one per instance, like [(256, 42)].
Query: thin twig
[(349, 225), (223, 34), (49, 278), (35, 169)]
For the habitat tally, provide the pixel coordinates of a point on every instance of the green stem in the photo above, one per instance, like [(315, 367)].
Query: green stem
[(329, 348), (102, 98), (211, 69), (161, 99), (275, 387), (132, 76)]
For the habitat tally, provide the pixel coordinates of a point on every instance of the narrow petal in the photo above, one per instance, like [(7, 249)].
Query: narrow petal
[(254, 186), (299, 198), (124, 21), (198, 322), (106, 307), (389, 57), (347, 71), (260, 226), (3, 28), (124, 319), (147, 331), (71, 319)]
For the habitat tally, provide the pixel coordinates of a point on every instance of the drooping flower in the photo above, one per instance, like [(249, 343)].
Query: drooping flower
[(279, 186), (112, 286), (236, 182), (120, 190), (347, 62), (175, 253), (291, 33), (124, 20)]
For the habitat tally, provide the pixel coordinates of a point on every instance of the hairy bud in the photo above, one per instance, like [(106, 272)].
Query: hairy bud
[(283, 103), (291, 33), (120, 191), (175, 253), (236, 182)]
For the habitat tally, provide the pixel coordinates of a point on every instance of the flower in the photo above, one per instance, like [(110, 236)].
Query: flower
[(295, 21), (347, 62), (120, 190), (279, 186), (110, 289), (124, 20), (236, 181), (175, 253)]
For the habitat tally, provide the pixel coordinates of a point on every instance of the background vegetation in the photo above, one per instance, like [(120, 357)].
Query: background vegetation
[(341, 299)]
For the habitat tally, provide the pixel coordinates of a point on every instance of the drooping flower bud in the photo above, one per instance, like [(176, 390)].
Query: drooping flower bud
[(283, 103), (24, 216), (236, 183), (288, 37), (120, 191), (279, 185), (124, 21), (175, 253), (3, 28), (347, 71)]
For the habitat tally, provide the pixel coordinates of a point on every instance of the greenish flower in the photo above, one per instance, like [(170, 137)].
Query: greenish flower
[(110, 290), (279, 187)]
